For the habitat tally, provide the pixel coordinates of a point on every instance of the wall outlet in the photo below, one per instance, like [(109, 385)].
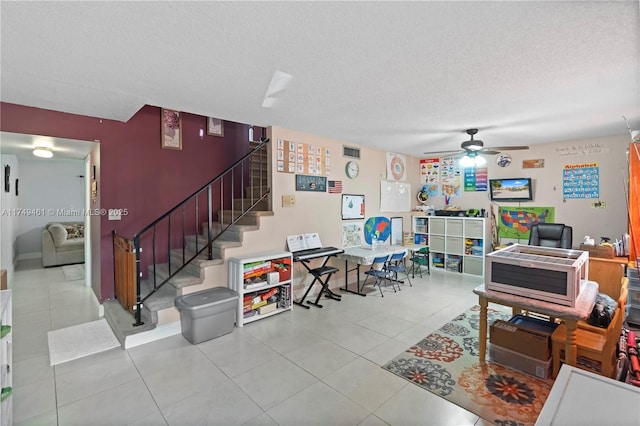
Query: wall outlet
[(288, 201)]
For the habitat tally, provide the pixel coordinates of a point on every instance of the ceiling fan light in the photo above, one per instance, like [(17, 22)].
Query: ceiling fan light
[(43, 152), (480, 161), (467, 161)]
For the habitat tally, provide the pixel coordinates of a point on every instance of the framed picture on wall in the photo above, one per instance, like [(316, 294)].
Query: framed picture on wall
[(215, 127), (171, 129)]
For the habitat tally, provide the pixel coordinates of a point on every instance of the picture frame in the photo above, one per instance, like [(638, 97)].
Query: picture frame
[(171, 129), (353, 206), (311, 183), (215, 127)]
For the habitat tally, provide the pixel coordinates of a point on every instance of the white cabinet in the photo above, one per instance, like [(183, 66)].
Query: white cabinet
[(263, 282), (6, 336), (420, 228), (457, 244)]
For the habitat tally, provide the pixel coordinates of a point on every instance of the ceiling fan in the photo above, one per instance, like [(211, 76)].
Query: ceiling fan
[(473, 147)]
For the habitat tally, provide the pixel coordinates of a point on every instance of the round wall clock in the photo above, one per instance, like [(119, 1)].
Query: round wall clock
[(503, 160), (352, 169)]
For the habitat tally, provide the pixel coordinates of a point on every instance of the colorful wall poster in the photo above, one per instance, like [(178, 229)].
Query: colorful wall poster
[(581, 181), (378, 226), (396, 167), (476, 179), (302, 158), (450, 177), (430, 176), (352, 234), (515, 222)]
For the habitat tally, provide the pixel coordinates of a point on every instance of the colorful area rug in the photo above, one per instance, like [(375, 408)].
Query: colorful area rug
[(446, 363)]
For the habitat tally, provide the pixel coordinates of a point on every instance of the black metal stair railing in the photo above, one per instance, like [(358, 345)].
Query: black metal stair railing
[(167, 240)]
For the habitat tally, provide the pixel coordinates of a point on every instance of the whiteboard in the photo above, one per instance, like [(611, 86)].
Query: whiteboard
[(395, 196), (396, 230)]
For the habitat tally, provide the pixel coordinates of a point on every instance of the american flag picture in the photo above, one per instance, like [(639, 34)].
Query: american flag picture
[(335, 187)]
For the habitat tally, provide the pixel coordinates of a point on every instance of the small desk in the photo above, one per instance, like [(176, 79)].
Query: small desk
[(570, 316), (363, 256)]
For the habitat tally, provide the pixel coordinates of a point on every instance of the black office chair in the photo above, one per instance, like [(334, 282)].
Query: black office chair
[(551, 235)]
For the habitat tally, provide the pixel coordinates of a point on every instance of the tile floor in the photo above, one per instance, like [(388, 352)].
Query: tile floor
[(317, 366)]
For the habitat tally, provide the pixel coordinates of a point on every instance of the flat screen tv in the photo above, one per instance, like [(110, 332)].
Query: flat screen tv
[(511, 189)]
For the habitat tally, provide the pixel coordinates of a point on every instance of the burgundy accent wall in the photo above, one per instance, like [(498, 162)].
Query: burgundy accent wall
[(135, 173)]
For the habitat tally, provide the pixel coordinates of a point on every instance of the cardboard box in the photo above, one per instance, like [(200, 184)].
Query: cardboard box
[(520, 362), (605, 252), (525, 336)]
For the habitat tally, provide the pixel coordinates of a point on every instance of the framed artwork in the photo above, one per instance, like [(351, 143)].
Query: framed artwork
[(352, 206), (352, 234), (311, 183), (171, 129), (215, 127)]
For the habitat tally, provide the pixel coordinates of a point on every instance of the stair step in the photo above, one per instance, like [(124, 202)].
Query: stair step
[(161, 299), (251, 217), (180, 280), (121, 321), (232, 233), (217, 249), (240, 203)]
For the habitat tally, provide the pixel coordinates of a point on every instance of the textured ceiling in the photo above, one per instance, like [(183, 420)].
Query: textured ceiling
[(404, 77)]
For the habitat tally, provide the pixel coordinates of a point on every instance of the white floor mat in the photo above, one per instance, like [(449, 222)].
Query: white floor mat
[(79, 341), (73, 272)]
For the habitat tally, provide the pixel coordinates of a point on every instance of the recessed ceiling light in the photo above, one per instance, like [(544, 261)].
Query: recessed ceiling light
[(43, 152)]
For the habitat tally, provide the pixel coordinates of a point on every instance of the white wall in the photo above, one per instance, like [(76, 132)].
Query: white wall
[(8, 218), (320, 212), (51, 186), (610, 155)]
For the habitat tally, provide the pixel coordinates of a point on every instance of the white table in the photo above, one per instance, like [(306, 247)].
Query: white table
[(580, 397), (364, 256)]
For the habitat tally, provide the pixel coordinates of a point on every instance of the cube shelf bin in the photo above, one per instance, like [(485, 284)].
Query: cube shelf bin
[(454, 242)]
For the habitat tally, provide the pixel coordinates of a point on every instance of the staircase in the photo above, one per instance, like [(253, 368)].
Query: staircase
[(185, 268)]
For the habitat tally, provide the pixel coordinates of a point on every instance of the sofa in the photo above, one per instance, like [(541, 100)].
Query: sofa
[(62, 243)]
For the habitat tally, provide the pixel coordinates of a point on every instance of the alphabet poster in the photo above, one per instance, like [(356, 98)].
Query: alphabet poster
[(581, 181)]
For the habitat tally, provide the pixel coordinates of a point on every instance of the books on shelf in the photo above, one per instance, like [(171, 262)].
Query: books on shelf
[(270, 307)]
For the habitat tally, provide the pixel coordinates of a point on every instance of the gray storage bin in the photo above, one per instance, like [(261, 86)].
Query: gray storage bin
[(207, 314)]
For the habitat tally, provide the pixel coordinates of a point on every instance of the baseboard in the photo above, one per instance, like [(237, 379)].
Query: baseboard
[(97, 305), (31, 255), (159, 332)]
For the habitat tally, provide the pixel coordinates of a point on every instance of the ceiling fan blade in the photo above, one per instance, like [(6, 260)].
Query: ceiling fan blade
[(488, 151), (444, 153), (508, 148)]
